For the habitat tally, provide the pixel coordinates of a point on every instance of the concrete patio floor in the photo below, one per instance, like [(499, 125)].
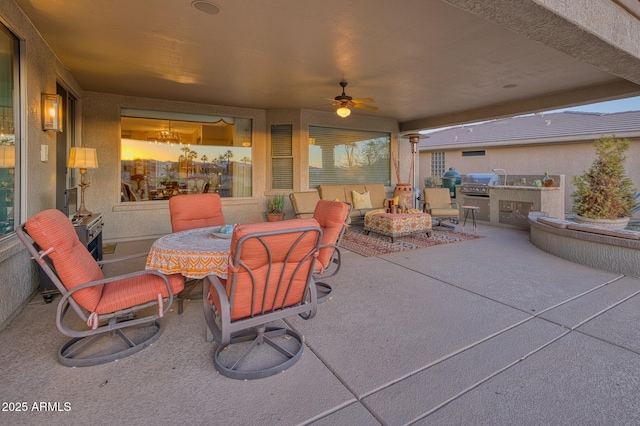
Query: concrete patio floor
[(484, 332)]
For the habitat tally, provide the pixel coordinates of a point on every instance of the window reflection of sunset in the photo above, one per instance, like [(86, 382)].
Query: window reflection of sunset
[(132, 149)]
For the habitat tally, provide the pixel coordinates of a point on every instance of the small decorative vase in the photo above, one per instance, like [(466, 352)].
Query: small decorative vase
[(404, 192), (547, 181)]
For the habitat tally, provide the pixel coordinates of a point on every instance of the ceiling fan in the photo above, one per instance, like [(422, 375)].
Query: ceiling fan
[(343, 102)]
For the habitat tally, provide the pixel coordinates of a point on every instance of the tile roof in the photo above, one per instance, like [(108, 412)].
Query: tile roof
[(535, 129)]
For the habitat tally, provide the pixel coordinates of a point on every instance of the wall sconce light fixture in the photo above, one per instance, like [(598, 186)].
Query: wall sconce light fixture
[(51, 112), (83, 159)]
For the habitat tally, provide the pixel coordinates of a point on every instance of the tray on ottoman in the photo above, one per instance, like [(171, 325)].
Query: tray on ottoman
[(397, 225)]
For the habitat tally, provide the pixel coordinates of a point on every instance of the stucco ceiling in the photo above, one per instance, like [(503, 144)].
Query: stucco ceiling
[(419, 59)]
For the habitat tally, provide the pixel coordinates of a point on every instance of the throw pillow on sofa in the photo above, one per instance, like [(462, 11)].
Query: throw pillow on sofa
[(361, 201)]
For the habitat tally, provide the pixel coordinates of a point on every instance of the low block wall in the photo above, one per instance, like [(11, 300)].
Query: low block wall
[(613, 254)]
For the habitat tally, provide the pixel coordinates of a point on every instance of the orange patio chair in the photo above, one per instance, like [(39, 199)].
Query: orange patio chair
[(194, 211), (333, 217), (110, 308), (270, 277)]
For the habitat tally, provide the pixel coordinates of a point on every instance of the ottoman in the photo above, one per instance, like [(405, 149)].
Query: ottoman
[(397, 225)]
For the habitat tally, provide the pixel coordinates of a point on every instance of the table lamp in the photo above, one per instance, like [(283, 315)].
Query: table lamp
[(83, 159)]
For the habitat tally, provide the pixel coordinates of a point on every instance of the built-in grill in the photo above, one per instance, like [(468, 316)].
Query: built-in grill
[(479, 183)]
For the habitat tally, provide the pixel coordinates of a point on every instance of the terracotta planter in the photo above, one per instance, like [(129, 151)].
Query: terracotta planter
[(275, 217), (405, 194), (619, 223)]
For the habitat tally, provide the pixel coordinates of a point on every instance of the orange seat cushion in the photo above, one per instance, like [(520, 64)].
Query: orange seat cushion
[(134, 291)]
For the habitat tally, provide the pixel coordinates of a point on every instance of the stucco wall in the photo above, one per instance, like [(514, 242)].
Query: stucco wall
[(567, 159), (40, 72), (147, 219)]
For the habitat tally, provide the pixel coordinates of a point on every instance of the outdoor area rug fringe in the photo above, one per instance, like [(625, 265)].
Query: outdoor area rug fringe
[(376, 245)]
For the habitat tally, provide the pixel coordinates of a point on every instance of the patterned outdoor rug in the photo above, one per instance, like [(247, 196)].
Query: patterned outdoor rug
[(375, 244)]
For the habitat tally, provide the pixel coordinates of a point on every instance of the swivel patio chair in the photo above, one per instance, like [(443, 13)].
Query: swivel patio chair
[(195, 211), (190, 212), (125, 307), (270, 277), (333, 217), (304, 203), (438, 203)]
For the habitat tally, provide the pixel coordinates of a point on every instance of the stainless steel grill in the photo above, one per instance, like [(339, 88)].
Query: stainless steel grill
[(478, 183)]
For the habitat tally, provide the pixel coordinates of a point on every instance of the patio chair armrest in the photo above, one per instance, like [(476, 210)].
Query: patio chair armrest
[(120, 259), (454, 204), (112, 325), (121, 277), (298, 215)]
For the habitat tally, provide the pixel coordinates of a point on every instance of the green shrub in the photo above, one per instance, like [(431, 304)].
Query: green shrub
[(604, 191)]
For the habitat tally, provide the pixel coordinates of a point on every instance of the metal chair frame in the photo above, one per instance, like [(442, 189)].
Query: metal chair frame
[(228, 332), (71, 353)]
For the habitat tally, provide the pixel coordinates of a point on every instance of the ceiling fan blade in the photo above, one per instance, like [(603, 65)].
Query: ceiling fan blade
[(363, 101), (364, 106)]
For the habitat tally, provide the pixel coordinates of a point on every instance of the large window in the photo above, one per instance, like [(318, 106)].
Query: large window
[(338, 156), (164, 154), (9, 89)]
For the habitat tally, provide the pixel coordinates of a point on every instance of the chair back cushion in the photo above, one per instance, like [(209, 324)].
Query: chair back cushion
[(304, 203), (195, 211), (72, 261), (438, 198), (274, 265), (332, 217)]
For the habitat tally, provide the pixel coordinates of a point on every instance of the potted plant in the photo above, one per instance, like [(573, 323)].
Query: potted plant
[(275, 208), (604, 194), (433, 182)]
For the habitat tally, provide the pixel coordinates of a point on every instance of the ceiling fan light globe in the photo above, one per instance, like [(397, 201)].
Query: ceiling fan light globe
[(343, 112)]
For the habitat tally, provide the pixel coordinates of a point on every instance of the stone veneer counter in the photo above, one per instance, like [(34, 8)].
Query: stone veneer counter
[(549, 200)]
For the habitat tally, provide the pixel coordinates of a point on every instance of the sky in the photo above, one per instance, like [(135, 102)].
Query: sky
[(622, 105)]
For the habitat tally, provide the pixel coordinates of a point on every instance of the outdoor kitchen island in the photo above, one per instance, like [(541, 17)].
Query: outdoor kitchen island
[(509, 205)]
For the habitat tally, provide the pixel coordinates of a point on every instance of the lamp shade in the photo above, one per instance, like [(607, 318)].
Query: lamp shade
[(7, 156), (83, 158)]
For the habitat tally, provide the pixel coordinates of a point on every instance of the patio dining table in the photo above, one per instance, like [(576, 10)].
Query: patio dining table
[(194, 253)]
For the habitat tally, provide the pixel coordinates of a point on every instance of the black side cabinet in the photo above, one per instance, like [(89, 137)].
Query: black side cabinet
[(89, 230)]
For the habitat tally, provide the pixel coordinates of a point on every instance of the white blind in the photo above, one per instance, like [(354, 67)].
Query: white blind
[(339, 156), (282, 156)]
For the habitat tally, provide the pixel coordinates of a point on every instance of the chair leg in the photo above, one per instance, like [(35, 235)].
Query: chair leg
[(261, 352), (185, 293), (106, 347)]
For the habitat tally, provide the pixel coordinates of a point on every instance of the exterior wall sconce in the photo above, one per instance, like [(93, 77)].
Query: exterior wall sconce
[(51, 112)]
